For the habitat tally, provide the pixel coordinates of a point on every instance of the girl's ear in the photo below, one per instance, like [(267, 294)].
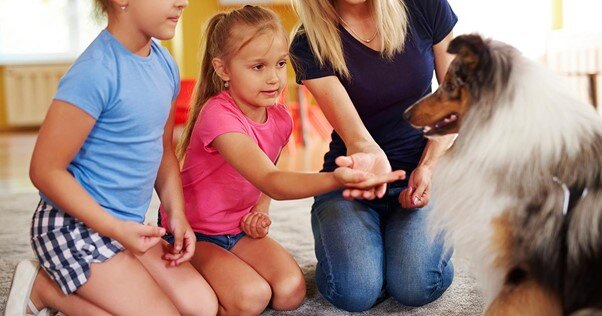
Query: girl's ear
[(220, 68)]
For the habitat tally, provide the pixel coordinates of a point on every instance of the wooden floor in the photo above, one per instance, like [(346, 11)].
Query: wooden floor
[(16, 149)]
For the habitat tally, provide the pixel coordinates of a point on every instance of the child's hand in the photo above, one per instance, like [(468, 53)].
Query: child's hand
[(369, 159), (136, 237), (256, 224), (184, 241)]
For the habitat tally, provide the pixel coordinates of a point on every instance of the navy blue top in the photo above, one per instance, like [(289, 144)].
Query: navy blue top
[(381, 90)]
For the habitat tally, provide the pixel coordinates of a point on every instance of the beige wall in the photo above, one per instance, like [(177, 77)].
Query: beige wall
[(185, 46)]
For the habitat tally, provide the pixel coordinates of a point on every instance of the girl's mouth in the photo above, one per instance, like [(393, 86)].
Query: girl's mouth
[(270, 92)]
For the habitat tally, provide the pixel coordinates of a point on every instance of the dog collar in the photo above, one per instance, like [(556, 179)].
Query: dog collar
[(569, 201)]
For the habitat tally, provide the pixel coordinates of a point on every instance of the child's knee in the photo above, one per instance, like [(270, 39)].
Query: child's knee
[(254, 298), (288, 292), (200, 305)]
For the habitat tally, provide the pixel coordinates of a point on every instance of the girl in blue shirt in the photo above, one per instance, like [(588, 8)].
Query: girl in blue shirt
[(104, 146)]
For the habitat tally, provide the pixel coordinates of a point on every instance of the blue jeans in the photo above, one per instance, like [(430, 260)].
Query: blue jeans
[(368, 250), (225, 241)]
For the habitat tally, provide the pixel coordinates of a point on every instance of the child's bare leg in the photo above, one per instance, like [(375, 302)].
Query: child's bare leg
[(122, 286), (240, 290), (277, 267), (46, 293), (183, 284)]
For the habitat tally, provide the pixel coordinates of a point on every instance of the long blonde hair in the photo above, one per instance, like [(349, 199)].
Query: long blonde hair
[(223, 41), (320, 22)]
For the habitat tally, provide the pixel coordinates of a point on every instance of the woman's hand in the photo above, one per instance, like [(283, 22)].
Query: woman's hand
[(137, 238), (364, 180), (417, 194), (184, 241), (374, 162), (255, 224)]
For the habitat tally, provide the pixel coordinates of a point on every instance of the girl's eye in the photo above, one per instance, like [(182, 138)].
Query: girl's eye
[(282, 64), (257, 67)]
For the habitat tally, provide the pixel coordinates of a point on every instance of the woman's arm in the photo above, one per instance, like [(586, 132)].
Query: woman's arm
[(342, 115), (437, 147), (62, 134), (418, 194)]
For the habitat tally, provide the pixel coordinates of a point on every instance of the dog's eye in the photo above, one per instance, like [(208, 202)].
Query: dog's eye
[(451, 86)]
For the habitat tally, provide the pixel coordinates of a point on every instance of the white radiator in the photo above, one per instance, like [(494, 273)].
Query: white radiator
[(578, 56), (28, 91)]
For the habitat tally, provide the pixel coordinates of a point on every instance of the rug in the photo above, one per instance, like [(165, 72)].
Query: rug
[(291, 227)]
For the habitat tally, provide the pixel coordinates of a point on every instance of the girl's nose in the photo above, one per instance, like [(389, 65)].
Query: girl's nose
[(182, 4), (273, 78)]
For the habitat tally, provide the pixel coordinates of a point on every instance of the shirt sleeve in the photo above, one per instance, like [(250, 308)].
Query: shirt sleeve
[(217, 119), (87, 85), (305, 63), (441, 18)]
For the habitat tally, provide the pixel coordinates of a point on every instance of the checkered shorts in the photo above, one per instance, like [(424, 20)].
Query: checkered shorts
[(66, 247)]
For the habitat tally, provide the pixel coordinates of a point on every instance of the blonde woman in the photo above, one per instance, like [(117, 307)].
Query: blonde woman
[(366, 61)]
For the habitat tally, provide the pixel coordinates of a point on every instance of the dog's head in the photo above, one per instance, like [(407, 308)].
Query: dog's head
[(474, 71)]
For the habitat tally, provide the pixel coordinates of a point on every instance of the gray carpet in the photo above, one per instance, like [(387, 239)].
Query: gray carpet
[(291, 227)]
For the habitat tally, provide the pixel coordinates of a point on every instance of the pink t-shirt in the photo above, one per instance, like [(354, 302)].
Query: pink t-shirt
[(216, 196)]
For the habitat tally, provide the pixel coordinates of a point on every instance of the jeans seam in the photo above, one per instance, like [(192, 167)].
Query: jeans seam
[(329, 277)]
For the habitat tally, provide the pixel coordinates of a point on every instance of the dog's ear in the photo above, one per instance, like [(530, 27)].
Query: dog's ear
[(472, 51)]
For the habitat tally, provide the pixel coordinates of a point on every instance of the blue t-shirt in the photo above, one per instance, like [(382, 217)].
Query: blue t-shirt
[(381, 90), (130, 98)]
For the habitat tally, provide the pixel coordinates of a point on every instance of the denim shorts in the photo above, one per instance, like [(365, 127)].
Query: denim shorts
[(224, 241)]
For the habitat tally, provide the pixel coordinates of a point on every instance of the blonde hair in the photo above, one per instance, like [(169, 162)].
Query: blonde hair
[(320, 22), (223, 41), (102, 6)]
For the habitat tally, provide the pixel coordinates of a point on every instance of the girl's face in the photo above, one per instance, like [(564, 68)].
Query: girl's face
[(257, 73), (156, 18)]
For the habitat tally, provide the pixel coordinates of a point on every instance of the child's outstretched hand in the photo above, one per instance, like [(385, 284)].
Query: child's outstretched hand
[(184, 241), (256, 224), (138, 238), (359, 177)]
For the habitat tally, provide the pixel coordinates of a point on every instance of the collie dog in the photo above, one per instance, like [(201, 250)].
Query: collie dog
[(520, 191)]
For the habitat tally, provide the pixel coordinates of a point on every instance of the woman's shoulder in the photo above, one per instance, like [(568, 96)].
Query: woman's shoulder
[(425, 6), (431, 18), (300, 40)]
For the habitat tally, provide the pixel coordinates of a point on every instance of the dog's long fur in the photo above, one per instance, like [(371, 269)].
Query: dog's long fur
[(493, 192)]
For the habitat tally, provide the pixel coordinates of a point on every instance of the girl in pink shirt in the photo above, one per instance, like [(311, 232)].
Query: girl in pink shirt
[(232, 140)]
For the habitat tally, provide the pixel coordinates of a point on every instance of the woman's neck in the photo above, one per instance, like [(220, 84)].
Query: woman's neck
[(358, 20), (129, 36), (354, 12)]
